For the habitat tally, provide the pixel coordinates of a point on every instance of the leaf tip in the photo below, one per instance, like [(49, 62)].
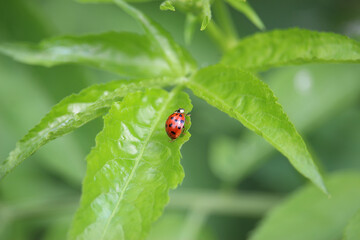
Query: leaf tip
[(204, 23), (167, 5), (321, 185), (262, 26)]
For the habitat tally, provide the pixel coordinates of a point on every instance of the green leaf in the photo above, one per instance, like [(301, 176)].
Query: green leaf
[(167, 5), (206, 14), (352, 231), (248, 11), (309, 94), (131, 169), (16, 121), (247, 99), (71, 113), (310, 215), (179, 59), (292, 46), (127, 54)]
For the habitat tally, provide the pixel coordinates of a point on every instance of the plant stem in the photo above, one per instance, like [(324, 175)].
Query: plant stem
[(220, 37), (224, 19), (227, 203)]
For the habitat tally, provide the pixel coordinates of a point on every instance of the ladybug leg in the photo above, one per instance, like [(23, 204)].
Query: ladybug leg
[(183, 131)]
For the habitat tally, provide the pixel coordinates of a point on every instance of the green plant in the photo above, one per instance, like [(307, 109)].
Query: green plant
[(133, 165)]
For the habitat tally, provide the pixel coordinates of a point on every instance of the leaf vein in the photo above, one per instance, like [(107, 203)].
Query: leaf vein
[(137, 161)]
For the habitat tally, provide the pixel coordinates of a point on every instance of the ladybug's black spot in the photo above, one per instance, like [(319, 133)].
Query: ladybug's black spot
[(179, 127), (173, 132), (180, 115), (170, 124), (175, 120), (172, 117), (182, 121)]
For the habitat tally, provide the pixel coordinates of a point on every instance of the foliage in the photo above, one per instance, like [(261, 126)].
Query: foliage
[(133, 166), (73, 112), (292, 46), (247, 99), (120, 53), (312, 95)]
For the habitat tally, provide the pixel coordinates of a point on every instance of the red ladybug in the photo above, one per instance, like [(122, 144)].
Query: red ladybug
[(175, 123)]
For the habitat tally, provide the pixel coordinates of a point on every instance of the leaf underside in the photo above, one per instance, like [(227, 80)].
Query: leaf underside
[(244, 97), (131, 169), (73, 112), (292, 46)]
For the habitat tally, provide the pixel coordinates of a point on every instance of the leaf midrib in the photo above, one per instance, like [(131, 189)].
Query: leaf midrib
[(238, 115), (249, 125), (137, 161)]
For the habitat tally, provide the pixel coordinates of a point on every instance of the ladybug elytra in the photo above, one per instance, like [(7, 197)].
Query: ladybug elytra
[(175, 123)]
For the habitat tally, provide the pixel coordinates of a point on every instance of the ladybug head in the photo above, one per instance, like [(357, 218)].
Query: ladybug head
[(180, 110)]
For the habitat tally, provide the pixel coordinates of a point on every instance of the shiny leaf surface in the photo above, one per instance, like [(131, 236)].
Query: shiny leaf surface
[(292, 46), (127, 54), (248, 11), (71, 113), (131, 169), (244, 97), (310, 215), (309, 94)]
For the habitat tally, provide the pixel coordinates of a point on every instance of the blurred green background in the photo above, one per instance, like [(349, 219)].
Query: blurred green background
[(39, 198)]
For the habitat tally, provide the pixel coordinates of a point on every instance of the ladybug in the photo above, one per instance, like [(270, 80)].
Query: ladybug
[(175, 123)]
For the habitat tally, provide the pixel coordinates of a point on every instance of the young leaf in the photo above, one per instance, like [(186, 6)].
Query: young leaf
[(167, 5), (71, 113), (131, 169), (179, 59), (127, 54), (352, 230), (312, 216), (247, 10), (206, 14), (292, 46), (249, 100)]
